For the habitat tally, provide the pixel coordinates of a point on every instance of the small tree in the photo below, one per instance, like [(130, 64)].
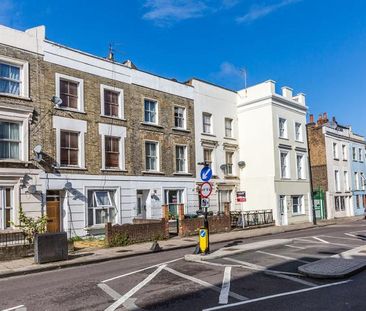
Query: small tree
[(31, 226)]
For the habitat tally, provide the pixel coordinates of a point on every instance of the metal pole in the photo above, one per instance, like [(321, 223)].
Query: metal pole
[(205, 224)]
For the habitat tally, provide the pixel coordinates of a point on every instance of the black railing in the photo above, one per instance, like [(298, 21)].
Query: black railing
[(251, 218), (13, 238)]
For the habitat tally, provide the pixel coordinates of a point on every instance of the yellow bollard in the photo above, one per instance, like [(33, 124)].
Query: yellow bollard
[(203, 238)]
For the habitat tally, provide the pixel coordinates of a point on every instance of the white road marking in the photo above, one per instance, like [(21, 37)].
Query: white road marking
[(283, 257), (352, 235), (225, 288), (109, 291), (140, 270), (134, 290), (248, 265), (298, 247), (342, 238), (321, 243), (275, 296), (291, 278), (203, 283), (321, 240), (17, 308)]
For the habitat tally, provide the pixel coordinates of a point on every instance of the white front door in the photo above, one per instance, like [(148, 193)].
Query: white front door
[(6, 207), (282, 211), (141, 206)]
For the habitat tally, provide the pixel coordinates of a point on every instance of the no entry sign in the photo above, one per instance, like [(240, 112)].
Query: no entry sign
[(205, 190)]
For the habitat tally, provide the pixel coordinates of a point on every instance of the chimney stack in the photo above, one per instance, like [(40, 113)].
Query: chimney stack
[(311, 118), (325, 117), (287, 92)]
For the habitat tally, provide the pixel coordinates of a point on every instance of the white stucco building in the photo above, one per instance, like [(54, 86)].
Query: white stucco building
[(272, 142)]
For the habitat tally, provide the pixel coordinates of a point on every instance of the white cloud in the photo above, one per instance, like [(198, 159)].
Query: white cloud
[(165, 12), (230, 76), (260, 11)]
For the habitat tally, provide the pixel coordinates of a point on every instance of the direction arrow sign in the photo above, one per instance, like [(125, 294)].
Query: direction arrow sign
[(205, 190), (206, 173)]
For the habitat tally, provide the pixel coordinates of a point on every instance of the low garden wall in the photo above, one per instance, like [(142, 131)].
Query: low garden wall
[(16, 252)]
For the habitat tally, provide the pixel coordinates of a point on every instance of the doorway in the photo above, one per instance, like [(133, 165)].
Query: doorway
[(282, 211), (6, 207), (141, 203), (53, 211)]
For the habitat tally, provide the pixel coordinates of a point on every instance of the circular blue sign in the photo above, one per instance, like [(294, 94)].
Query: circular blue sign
[(206, 173), (203, 233)]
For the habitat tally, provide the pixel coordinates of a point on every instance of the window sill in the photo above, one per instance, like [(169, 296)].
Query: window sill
[(208, 134), (178, 129), (15, 161), (113, 118), (284, 138), (113, 170), (76, 168), (182, 174), (152, 124), (231, 177), (285, 178), (230, 138), (16, 96), (298, 214), (70, 110), (153, 173), (299, 141), (336, 159)]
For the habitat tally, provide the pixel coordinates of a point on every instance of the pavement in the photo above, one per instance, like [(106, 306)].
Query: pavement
[(90, 256), (255, 279)]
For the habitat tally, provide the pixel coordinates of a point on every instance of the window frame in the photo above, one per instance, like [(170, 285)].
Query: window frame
[(10, 141), (120, 92), (210, 150), (337, 181), (301, 134), (344, 152), (346, 181), (146, 99), (288, 175), (285, 128), (80, 90), (335, 151), (157, 156), (23, 75), (231, 121), (209, 115), (78, 149), (303, 166), (229, 167), (112, 200), (185, 164), (300, 204), (119, 144), (183, 118)]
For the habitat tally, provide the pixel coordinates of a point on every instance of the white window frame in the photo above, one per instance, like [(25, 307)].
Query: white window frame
[(227, 173), (301, 136), (354, 155), (157, 155), (184, 117), (80, 82), (156, 110), (359, 154), (337, 181), (335, 151), (300, 204), (95, 208), (285, 131), (121, 101), (3, 206), (203, 122), (15, 115), (231, 121), (114, 131), (23, 74), (288, 175), (303, 172), (185, 169), (362, 180), (346, 181), (70, 125), (344, 153), (357, 181)]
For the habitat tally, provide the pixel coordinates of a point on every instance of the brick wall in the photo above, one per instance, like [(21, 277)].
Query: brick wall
[(16, 252), (219, 223)]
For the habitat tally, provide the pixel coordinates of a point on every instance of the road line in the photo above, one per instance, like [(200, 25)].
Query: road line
[(275, 296), (353, 235), (225, 288), (140, 270), (248, 265), (109, 291), (134, 290), (295, 247), (283, 257), (17, 308), (342, 238), (203, 283), (291, 278), (321, 240)]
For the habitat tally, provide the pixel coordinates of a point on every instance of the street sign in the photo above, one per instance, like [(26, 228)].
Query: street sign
[(241, 196), (206, 173), (205, 190), (205, 203)]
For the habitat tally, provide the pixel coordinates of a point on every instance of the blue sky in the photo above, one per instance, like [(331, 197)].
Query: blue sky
[(315, 47)]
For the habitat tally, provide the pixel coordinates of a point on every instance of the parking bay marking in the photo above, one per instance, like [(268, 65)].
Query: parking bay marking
[(321, 240), (275, 296), (225, 288), (17, 308), (283, 257)]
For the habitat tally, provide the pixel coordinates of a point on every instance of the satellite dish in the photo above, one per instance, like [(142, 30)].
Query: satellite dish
[(241, 164), (223, 167), (57, 101), (32, 189), (37, 149), (68, 186)]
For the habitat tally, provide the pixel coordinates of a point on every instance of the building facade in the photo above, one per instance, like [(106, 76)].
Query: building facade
[(273, 145), (217, 141)]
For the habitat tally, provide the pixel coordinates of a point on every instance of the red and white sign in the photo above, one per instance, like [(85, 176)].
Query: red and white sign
[(241, 196), (205, 190)]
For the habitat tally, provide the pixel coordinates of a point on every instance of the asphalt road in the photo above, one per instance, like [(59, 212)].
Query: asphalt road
[(164, 281)]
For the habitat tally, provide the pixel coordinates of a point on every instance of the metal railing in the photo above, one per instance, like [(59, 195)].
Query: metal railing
[(251, 218), (13, 238)]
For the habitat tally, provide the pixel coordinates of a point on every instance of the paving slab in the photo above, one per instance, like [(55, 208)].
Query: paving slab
[(333, 268), (237, 249)]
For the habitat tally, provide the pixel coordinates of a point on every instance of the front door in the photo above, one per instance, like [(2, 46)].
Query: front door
[(53, 211), (282, 211), (141, 204), (6, 207)]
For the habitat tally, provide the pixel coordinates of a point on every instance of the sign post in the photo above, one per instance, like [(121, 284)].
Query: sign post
[(241, 197), (205, 192)]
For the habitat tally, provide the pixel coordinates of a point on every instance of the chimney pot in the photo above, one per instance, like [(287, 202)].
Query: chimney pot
[(311, 118), (325, 116)]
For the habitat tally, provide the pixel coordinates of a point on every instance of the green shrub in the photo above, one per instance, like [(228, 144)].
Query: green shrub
[(119, 239)]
